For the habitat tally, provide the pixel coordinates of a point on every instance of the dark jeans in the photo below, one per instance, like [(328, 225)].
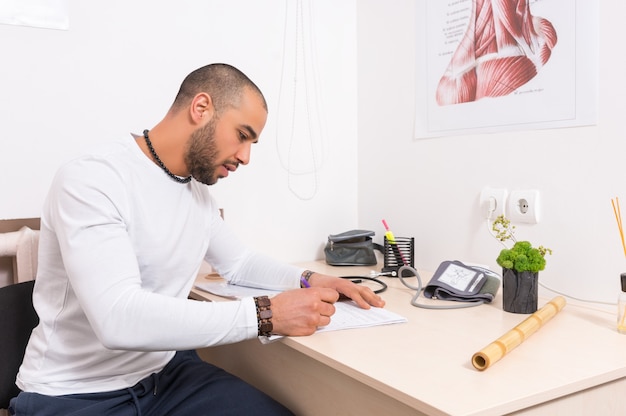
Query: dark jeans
[(186, 386)]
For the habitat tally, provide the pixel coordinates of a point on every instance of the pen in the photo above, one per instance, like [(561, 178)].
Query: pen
[(392, 240)]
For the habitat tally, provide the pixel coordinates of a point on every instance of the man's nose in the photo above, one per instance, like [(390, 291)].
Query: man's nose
[(243, 153)]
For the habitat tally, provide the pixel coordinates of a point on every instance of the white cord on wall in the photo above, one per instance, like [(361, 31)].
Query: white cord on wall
[(304, 152)]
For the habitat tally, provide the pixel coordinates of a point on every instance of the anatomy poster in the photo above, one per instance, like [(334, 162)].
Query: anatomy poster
[(494, 65)]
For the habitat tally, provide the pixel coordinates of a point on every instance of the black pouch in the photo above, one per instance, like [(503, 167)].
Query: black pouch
[(351, 248)]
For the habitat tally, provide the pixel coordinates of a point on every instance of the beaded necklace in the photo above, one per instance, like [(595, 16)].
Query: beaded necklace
[(160, 163)]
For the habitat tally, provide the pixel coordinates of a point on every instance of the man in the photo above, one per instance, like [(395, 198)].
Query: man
[(123, 233)]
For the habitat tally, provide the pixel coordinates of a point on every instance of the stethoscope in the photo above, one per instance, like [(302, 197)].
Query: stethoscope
[(403, 273), (374, 277)]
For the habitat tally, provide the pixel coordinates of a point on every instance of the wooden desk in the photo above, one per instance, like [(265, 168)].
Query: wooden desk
[(574, 365)]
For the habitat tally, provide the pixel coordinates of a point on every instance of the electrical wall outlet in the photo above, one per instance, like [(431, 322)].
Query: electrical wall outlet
[(493, 199), (523, 206)]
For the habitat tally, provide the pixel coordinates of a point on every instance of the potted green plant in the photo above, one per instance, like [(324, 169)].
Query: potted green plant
[(521, 265)]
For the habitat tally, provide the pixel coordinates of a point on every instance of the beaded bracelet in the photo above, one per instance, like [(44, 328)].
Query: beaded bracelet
[(264, 315), (306, 275)]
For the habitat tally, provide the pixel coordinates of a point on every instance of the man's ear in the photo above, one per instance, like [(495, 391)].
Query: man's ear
[(202, 108)]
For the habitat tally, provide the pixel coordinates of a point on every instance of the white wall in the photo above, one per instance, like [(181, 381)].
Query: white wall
[(426, 189), (117, 69)]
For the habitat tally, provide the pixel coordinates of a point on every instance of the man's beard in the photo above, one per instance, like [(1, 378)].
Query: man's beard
[(201, 155)]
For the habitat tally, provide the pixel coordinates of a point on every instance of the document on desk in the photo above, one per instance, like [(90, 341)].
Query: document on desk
[(224, 289), (347, 314)]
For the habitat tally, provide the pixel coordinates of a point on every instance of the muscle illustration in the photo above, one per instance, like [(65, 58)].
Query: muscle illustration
[(503, 48)]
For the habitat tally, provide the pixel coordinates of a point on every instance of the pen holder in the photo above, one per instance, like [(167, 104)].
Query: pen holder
[(398, 253)]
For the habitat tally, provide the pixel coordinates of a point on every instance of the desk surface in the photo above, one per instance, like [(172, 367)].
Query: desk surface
[(426, 363)]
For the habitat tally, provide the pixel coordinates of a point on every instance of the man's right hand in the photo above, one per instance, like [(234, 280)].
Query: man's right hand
[(302, 311)]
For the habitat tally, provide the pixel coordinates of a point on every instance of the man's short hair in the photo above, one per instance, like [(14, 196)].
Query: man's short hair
[(224, 83)]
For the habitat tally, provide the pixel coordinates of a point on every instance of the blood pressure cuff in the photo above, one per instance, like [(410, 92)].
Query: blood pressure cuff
[(456, 281)]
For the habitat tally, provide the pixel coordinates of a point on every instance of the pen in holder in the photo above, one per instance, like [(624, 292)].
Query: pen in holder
[(397, 253)]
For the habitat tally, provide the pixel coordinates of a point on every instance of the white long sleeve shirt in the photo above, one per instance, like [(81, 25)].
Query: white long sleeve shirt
[(121, 244)]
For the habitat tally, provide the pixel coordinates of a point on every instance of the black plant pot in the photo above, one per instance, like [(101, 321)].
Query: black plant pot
[(519, 291)]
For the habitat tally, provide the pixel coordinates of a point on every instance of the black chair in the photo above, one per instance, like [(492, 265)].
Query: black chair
[(17, 320)]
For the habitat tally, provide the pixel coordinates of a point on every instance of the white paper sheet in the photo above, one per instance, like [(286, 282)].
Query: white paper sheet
[(347, 314), (225, 290)]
